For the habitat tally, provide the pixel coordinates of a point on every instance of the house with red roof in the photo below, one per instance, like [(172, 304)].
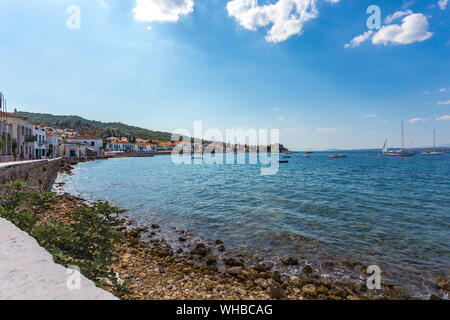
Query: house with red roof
[(93, 143)]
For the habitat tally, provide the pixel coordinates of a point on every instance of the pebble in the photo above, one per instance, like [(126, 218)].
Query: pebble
[(195, 277), (261, 283), (309, 290), (234, 271), (307, 269), (277, 292), (289, 261)]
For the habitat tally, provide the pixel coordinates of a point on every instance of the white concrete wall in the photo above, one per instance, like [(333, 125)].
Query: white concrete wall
[(28, 272)]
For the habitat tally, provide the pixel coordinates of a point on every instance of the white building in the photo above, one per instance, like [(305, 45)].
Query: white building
[(73, 150), (165, 146), (22, 142), (120, 146), (53, 141), (145, 148), (40, 147), (93, 143), (114, 146), (128, 147)]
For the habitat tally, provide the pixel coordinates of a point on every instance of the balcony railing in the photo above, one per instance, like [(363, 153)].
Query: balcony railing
[(30, 138)]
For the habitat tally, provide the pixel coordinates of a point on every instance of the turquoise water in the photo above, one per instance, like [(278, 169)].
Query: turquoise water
[(393, 212)]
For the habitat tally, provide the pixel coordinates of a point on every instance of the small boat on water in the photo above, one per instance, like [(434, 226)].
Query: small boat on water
[(283, 161), (396, 153), (337, 156), (309, 151), (434, 152), (306, 156)]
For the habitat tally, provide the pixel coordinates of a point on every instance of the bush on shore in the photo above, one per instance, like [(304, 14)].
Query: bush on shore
[(88, 240)]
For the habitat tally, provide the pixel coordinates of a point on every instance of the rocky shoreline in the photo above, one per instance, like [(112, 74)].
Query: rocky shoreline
[(153, 268)]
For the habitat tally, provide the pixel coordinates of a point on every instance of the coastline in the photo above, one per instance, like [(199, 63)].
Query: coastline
[(200, 270)]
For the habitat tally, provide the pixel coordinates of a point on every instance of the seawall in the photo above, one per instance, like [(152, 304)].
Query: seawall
[(28, 272), (39, 174)]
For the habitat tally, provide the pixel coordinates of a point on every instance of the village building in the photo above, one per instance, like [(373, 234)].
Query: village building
[(127, 147), (40, 146), (67, 133), (121, 146), (165, 146), (53, 142), (49, 129), (145, 147), (114, 146), (73, 150), (94, 144), (22, 135), (5, 141)]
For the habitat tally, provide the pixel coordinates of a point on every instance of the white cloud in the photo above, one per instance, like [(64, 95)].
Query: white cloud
[(426, 92), (397, 15), (443, 90), (326, 130), (103, 4), (417, 120), (370, 133), (359, 39), (446, 117), (414, 28), (302, 130), (443, 4), (162, 10), (444, 102), (369, 115), (286, 17), (280, 118)]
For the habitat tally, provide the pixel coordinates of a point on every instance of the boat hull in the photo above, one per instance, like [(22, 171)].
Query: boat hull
[(432, 153), (399, 154)]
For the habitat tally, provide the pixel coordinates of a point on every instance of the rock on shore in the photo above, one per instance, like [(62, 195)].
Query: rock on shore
[(153, 269)]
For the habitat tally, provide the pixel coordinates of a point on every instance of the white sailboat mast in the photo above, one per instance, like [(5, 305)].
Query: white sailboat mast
[(434, 140), (402, 136)]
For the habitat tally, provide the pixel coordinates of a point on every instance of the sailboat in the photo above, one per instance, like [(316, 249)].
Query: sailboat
[(309, 151), (396, 153), (434, 152)]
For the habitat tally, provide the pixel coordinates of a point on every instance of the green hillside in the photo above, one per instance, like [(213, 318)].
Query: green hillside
[(94, 128)]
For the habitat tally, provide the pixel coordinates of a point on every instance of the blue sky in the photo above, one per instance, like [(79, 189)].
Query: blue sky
[(162, 64)]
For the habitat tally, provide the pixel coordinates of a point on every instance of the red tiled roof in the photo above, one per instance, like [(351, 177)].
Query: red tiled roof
[(84, 137), (9, 115)]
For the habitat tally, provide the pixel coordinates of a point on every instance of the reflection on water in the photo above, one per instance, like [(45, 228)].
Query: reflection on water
[(385, 211)]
